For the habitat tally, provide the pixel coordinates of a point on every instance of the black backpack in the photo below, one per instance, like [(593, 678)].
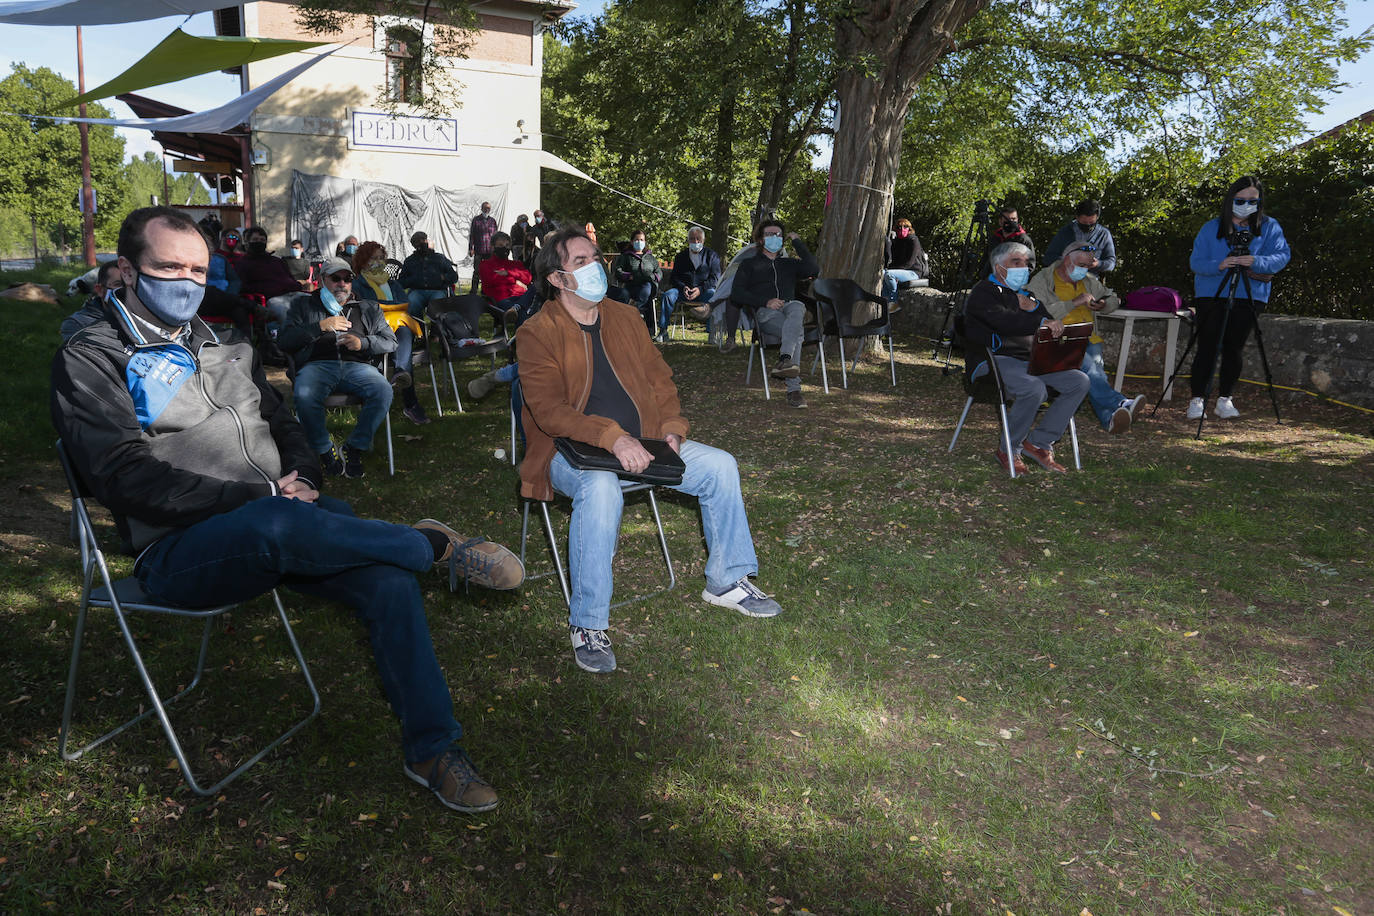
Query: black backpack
[(456, 326)]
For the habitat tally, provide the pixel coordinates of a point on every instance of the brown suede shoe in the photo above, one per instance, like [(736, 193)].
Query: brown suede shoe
[(1002, 460), (1043, 457), (452, 777), (476, 560)]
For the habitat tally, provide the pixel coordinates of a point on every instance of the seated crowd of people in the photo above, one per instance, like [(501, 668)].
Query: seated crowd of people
[(186, 473)]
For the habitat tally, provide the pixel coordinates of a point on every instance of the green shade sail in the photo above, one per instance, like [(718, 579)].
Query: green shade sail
[(180, 56)]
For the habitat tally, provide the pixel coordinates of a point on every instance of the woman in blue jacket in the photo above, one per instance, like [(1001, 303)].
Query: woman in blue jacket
[(1242, 209)]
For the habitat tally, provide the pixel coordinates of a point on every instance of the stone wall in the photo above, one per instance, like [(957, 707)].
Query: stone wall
[(1331, 357)]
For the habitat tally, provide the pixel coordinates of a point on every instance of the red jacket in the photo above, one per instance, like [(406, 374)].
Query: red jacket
[(498, 287)]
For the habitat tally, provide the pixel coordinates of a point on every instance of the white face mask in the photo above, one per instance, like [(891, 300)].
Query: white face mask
[(1244, 209)]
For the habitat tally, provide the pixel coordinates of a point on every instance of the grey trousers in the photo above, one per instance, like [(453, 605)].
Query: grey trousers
[(785, 325), (1028, 392)]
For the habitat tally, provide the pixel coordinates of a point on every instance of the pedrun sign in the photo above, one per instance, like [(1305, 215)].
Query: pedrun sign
[(380, 131)]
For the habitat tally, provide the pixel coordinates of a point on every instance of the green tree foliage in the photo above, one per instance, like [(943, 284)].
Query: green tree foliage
[(1134, 103), (144, 181), (418, 74), (40, 173), (725, 126), (1322, 193)]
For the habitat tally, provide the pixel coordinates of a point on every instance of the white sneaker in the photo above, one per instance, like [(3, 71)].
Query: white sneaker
[(1195, 408), (1134, 405), (1226, 410)]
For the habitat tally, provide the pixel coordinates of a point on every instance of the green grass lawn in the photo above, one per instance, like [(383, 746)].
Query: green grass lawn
[(1143, 688)]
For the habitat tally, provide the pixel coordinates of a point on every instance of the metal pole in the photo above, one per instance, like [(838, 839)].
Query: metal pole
[(87, 192)]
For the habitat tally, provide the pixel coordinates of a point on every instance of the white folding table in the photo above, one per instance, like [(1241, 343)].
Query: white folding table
[(1170, 342)]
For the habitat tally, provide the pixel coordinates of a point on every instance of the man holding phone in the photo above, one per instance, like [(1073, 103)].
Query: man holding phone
[(1072, 293)]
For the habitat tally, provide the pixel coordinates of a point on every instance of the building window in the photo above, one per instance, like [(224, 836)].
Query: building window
[(403, 64)]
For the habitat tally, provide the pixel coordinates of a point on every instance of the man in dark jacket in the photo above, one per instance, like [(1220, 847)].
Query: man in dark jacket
[(264, 274), (766, 284), (213, 487), (426, 274), (1003, 317), (1085, 229), (333, 339), (695, 276), (479, 242), (1009, 229)]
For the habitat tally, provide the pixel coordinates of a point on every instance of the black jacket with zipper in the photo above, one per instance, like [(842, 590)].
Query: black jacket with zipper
[(163, 446)]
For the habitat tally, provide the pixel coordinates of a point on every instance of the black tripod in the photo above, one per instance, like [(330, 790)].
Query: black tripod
[(1234, 276), (975, 244)]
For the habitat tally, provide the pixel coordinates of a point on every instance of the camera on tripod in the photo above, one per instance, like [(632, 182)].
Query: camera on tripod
[(982, 212), (1239, 241)]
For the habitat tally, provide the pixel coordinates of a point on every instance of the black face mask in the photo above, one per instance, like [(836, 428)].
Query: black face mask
[(1011, 227), (257, 247), (501, 252)]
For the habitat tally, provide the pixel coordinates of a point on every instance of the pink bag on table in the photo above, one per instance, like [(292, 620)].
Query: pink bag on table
[(1154, 299)]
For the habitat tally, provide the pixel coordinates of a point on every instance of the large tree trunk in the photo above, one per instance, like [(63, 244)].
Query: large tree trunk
[(907, 37), (723, 161)]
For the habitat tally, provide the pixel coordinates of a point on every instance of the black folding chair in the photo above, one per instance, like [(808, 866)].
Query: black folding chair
[(837, 298), (983, 384), (471, 306), (125, 596), (811, 334)]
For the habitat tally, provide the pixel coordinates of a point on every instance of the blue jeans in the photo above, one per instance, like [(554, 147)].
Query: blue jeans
[(670, 298), (1104, 398), (892, 277), (712, 476), (419, 298), (405, 348), (322, 549), (317, 380), (278, 307)]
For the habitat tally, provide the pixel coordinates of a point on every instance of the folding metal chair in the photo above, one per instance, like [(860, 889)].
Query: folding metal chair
[(986, 387), (125, 595), (627, 487), (811, 334), (837, 298)]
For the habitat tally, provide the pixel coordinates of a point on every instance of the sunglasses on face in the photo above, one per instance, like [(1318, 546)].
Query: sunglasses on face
[(341, 278), (1247, 200)]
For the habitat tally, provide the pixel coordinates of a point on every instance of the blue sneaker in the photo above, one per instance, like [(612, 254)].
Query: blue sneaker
[(592, 650), (744, 596)]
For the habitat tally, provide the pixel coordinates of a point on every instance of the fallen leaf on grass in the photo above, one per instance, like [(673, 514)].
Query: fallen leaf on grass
[(1154, 814), (960, 699), (716, 876), (1342, 910), (795, 734), (1189, 634)]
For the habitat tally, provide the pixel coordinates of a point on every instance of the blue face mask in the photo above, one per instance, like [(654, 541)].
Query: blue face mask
[(772, 243), (350, 249), (638, 244), (1077, 273), (1017, 277), (173, 302), (591, 281), (329, 300), (695, 247), (297, 253)]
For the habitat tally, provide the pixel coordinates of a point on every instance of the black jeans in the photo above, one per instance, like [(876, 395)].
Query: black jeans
[(1210, 314)]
